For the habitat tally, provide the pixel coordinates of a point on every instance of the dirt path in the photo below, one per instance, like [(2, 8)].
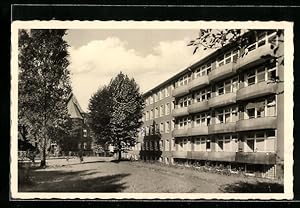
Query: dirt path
[(95, 175)]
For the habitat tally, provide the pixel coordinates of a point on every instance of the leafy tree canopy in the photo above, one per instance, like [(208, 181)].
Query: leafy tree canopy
[(44, 85), (116, 112)]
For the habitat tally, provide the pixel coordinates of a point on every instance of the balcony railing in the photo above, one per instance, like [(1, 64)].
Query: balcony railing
[(256, 56), (256, 90), (180, 91), (269, 122), (198, 107), (222, 72), (256, 157), (198, 82), (221, 128), (199, 130), (221, 156), (177, 112), (179, 154), (180, 132), (222, 100)]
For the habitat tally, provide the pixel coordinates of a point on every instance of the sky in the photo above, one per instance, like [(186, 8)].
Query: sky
[(150, 56)]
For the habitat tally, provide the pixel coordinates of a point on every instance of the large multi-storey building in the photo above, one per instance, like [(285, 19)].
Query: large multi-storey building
[(227, 109)]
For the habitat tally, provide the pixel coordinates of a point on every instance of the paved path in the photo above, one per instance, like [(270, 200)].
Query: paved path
[(103, 175)]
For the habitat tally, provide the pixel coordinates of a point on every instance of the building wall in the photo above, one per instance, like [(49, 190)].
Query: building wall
[(251, 135)]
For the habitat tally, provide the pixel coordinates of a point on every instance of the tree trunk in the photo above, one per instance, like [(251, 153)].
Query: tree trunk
[(43, 154), (119, 151), (120, 155)]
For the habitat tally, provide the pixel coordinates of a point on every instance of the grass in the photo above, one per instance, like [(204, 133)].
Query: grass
[(103, 175)]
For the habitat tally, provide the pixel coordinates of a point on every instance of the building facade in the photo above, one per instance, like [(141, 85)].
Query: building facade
[(226, 109), (80, 138)]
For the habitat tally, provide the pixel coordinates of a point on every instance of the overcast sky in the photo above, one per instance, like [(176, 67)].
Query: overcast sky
[(150, 56)]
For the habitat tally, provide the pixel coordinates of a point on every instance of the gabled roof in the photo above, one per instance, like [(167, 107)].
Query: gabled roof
[(74, 108)]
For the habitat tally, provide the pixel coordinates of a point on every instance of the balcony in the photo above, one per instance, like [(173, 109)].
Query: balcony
[(198, 107), (222, 72), (222, 100), (177, 112), (255, 57), (198, 155), (269, 122), (179, 154), (221, 156), (180, 133), (199, 130), (256, 90), (180, 91), (198, 82), (256, 157), (221, 128)]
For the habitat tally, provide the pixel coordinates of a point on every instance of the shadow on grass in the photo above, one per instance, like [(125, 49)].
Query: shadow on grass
[(43, 180), (256, 187), (122, 160)]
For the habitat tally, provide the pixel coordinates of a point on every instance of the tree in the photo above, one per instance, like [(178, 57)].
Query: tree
[(100, 107), (44, 85), (116, 112)]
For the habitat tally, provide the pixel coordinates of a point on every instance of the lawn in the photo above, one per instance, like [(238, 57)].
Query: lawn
[(104, 175)]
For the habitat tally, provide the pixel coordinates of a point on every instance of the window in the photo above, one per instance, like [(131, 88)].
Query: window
[(183, 123), (251, 112), (228, 86), (146, 130), (151, 114), (251, 78), (226, 115), (207, 145), (167, 145), (235, 55), (220, 144), (156, 129), (227, 58), (162, 110), (185, 101), (150, 99), (271, 68), (271, 106), (183, 80), (197, 144), (201, 119), (250, 144), (235, 83), (220, 61), (227, 143), (261, 141), (84, 133), (167, 109), (144, 117), (167, 91), (197, 120), (203, 70), (220, 117), (261, 108), (167, 127), (161, 128), (220, 89), (156, 112), (260, 75), (158, 95)]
